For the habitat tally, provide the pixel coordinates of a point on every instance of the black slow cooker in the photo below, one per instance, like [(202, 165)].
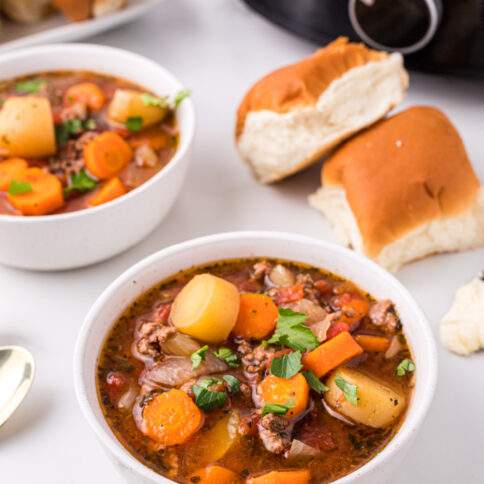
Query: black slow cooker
[(434, 35)]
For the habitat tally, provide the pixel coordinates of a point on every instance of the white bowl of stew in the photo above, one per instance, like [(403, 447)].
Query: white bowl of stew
[(358, 361), (94, 147)]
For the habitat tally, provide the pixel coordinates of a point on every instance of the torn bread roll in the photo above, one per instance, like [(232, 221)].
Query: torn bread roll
[(297, 114), (403, 189)]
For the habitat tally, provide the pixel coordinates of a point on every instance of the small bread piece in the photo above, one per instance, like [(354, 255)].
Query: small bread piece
[(74, 10), (297, 114), (106, 7), (25, 11), (403, 189)]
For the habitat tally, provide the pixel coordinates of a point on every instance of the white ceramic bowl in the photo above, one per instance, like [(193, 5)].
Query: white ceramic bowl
[(76, 239), (338, 260)]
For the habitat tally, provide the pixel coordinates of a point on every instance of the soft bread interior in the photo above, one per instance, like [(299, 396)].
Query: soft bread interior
[(461, 231), (279, 144)]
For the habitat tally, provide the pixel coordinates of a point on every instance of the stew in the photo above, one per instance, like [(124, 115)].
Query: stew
[(74, 140), (256, 371)]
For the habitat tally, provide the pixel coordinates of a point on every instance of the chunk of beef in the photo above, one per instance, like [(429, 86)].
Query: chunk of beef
[(74, 111), (261, 269), (254, 360), (382, 313), (248, 424), (275, 433), (150, 336)]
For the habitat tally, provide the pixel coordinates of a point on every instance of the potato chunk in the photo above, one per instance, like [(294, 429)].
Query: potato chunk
[(378, 405), (127, 103), (27, 127), (206, 308)]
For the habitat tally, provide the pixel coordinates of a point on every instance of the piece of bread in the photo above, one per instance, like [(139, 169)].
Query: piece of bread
[(403, 189), (101, 8), (297, 114), (25, 11), (74, 10)]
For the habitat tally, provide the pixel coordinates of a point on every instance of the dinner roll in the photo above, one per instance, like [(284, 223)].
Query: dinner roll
[(74, 10), (25, 11), (403, 189), (296, 114), (101, 8)]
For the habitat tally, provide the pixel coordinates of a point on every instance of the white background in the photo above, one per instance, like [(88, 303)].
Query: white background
[(219, 48)]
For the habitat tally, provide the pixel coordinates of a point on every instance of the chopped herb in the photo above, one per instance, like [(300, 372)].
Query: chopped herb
[(286, 366), (349, 390), (206, 399), (150, 100), (207, 382), (227, 355), (314, 382), (134, 124), (90, 124), (404, 367), (292, 332), (198, 356), (29, 86), (180, 96), (277, 409), (18, 187), (233, 383), (72, 127), (80, 182)]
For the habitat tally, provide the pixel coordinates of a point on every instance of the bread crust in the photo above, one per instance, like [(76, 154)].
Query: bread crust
[(75, 10), (401, 173)]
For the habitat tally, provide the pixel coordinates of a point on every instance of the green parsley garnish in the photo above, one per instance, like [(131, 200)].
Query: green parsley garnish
[(198, 356), (179, 97), (286, 366), (80, 182), (29, 86), (18, 187), (292, 332), (150, 100), (404, 367), (276, 408), (314, 382), (227, 355), (233, 383), (134, 124), (349, 390), (72, 127), (205, 398)]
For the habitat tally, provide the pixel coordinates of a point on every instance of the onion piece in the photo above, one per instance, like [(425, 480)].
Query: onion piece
[(179, 345), (394, 348), (313, 311), (335, 414), (281, 276), (300, 450), (127, 398)]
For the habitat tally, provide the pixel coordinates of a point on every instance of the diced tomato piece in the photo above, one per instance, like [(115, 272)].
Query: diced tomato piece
[(336, 328), (323, 286), (353, 306), (162, 313), (289, 294)]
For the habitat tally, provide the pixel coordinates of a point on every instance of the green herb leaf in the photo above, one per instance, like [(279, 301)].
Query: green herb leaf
[(206, 399), (286, 366), (150, 100), (207, 382), (277, 409), (134, 124), (349, 390), (314, 382), (180, 96), (198, 356), (18, 187), (71, 127), (80, 182), (227, 355), (404, 367), (233, 383), (29, 86), (90, 124), (292, 332)]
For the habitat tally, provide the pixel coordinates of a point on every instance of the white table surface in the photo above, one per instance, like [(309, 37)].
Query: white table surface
[(218, 48)]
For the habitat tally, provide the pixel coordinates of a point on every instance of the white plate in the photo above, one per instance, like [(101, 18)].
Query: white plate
[(55, 28)]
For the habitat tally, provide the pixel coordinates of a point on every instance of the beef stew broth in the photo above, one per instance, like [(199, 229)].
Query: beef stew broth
[(78, 119), (134, 361)]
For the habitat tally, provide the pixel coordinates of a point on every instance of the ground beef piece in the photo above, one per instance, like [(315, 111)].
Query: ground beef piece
[(75, 111), (248, 424), (151, 335), (382, 313), (275, 433), (254, 360), (261, 269)]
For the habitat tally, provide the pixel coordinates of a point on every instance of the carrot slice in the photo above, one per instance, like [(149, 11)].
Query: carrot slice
[(257, 316), (291, 391), (86, 93), (214, 474), (373, 344), (106, 155), (45, 195), (155, 138), (112, 189), (171, 418), (11, 169), (353, 306), (331, 354), (301, 476)]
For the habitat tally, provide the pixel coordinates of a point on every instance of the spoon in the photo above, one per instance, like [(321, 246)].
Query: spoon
[(17, 370)]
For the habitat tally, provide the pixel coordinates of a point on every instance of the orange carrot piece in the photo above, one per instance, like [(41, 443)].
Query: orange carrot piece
[(45, 196), (112, 189), (257, 316), (86, 93), (301, 476), (106, 155), (353, 306), (11, 169), (155, 138), (285, 391), (331, 354), (171, 418), (371, 343), (214, 475)]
